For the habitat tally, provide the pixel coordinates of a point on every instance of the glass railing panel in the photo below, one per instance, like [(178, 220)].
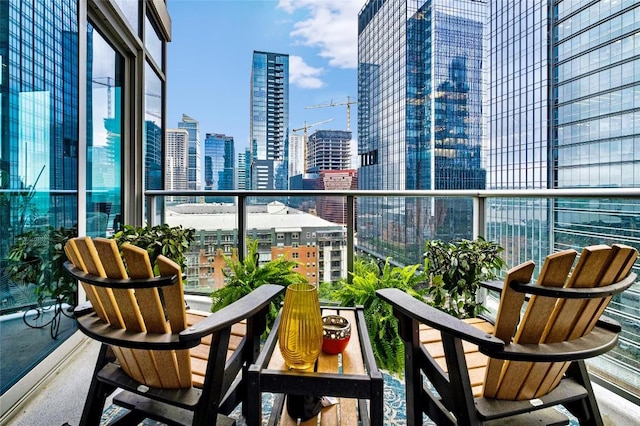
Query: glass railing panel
[(216, 236), (580, 222), (396, 227), (32, 321), (532, 228)]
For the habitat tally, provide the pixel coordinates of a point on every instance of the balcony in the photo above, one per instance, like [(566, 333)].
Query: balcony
[(528, 224)]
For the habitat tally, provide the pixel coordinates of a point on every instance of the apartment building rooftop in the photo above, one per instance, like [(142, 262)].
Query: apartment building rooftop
[(223, 216)]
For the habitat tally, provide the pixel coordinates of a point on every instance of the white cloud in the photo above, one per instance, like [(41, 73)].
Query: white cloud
[(304, 75), (331, 26)]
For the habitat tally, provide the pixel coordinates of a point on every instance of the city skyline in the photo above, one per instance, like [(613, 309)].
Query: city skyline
[(319, 37)]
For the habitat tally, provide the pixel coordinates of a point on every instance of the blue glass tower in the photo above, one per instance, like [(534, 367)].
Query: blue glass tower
[(38, 116), (269, 121), (563, 113), (219, 153), (419, 119)]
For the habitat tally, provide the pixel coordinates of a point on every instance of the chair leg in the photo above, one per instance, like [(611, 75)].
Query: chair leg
[(586, 410), (98, 392), (465, 410)]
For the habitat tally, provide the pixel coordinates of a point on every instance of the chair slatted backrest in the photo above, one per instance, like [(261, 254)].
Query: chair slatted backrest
[(551, 319), (137, 310)]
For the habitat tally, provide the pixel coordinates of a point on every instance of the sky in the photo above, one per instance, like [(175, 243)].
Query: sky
[(210, 53)]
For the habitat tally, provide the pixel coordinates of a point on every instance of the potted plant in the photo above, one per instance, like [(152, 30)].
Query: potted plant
[(242, 277), (455, 271), (369, 276), (170, 241), (37, 257)]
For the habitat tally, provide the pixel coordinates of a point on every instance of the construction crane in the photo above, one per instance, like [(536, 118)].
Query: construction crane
[(304, 139), (333, 103), (109, 85)]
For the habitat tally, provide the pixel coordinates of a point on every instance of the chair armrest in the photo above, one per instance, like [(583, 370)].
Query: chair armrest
[(245, 307), (120, 283), (99, 330), (415, 309), (609, 324), (493, 285), (576, 292), (597, 342)]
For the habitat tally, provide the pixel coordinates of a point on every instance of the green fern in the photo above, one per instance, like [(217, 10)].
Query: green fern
[(242, 277), (381, 323)]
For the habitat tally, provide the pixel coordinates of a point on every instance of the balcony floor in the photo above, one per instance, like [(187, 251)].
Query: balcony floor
[(59, 399)]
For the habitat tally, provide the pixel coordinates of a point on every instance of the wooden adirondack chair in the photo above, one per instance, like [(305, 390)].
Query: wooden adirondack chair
[(519, 368), (172, 366)]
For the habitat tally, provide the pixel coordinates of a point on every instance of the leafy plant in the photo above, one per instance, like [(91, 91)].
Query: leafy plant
[(172, 242), (242, 277), (382, 325), (37, 257), (456, 270)]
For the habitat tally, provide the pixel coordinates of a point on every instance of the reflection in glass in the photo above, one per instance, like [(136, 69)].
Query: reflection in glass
[(38, 166), (104, 144), (152, 42), (153, 132)]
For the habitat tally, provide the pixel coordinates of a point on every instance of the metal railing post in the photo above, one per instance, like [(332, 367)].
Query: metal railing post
[(242, 227), (151, 210), (351, 229), (479, 224)]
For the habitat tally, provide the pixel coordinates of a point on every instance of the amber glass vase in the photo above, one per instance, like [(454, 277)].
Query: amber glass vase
[(300, 331)]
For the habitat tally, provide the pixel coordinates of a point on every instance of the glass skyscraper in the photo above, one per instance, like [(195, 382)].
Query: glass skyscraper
[(564, 113), (219, 153), (269, 121), (243, 170), (419, 119)]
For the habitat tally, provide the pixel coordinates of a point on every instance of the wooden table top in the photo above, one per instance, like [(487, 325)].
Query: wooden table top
[(352, 376)]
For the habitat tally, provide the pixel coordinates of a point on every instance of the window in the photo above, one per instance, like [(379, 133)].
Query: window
[(295, 255), (280, 236), (295, 235)]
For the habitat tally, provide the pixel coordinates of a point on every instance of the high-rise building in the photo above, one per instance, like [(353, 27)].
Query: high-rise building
[(243, 170), (563, 113), (519, 127), (269, 121), (219, 154), (328, 150), (419, 118), (176, 162), (194, 172), (296, 155)]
